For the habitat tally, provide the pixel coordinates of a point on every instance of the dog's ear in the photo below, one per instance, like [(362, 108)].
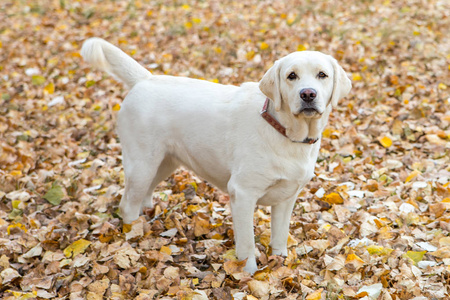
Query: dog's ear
[(270, 85), (341, 83)]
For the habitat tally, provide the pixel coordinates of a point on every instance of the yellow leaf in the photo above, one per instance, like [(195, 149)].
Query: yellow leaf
[(291, 21), (317, 295), (334, 198), (415, 256), (195, 281), (50, 88), (116, 107), (126, 228), (264, 46), (16, 173), (37, 79), (166, 250), (196, 20), (188, 25), (217, 237), (330, 133), (357, 77), (16, 203), (76, 248), (18, 225), (353, 257), (442, 86), (379, 250), (385, 142), (89, 83), (186, 7), (250, 55), (23, 296), (412, 175), (301, 47)]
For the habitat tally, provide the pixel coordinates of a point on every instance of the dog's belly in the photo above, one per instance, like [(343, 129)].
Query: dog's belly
[(207, 167)]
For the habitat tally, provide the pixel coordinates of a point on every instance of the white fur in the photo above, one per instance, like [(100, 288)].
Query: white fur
[(217, 131)]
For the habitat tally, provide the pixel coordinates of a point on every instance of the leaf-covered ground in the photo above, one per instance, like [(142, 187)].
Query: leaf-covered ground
[(373, 223)]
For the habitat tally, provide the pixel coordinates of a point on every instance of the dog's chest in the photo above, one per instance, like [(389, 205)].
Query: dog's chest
[(287, 182)]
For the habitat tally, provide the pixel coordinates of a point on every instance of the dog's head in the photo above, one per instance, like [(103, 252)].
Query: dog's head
[(304, 83)]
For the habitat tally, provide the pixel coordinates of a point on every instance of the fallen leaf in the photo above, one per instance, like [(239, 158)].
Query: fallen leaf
[(373, 291), (38, 79), (415, 256), (76, 248), (234, 266), (317, 295), (334, 198), (54, 195), (258, 288), (385, 141)]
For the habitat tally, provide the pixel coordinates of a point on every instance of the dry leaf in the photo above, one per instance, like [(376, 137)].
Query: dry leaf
[(316, 295), (76, 248), (234, 266), (334, 198)]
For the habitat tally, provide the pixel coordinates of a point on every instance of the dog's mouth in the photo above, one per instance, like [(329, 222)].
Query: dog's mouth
[(309, 112)]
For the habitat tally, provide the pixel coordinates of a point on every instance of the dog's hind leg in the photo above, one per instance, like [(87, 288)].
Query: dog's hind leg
[(140, 171), (167, 167)]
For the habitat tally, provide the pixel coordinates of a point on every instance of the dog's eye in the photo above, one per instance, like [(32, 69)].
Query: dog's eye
[(292, 76), (322, 75)]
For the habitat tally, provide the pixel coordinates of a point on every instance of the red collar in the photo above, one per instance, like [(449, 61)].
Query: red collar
[(278, 127)]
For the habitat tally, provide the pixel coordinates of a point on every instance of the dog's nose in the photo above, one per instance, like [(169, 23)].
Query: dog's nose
[(308, 95)]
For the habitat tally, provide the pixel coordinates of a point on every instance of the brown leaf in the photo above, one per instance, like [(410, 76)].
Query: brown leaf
[(201, 225), (234, 266)]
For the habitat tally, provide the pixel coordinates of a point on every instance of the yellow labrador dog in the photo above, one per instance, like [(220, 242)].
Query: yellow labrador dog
[(258, 142)]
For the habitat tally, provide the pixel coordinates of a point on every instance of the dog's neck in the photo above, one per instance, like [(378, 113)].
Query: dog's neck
[(299, 129)]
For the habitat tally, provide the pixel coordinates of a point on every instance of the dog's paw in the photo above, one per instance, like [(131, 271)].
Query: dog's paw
[(280, 252), (147, 203), (251, 266)]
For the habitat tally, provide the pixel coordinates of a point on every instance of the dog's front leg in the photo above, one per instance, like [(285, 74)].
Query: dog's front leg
[(242, 209), (281, 216)]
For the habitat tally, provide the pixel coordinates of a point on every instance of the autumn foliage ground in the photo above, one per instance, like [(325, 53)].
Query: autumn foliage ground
[(373, 223)]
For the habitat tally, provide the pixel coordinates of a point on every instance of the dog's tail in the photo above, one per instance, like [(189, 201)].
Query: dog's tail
[(111, 59)]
